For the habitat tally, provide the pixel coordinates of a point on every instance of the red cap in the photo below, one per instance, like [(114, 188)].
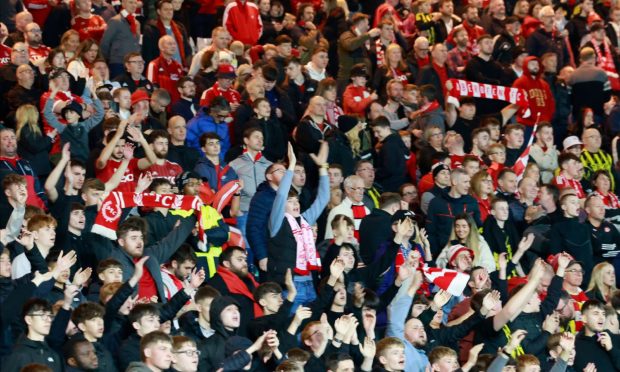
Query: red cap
[(138, 96), (554, 258), (226, 71)]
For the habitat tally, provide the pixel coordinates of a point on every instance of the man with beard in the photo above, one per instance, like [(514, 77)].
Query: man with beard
[(507, 41), (233, 279), (539, 96), (474, 31), (460, 54), (394, 110), (36, 50), (162, 167)]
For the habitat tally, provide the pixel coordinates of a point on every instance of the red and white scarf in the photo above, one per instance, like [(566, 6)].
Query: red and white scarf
[(606, 62), (464, 88), (380, 51), (106, 222), (308, 258), (610, 200), (359, 211)]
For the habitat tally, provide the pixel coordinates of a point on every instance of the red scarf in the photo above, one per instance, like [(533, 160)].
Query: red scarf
[(464, 88), (606, 62), (442, 71), (237, 286), (133, 25), (106, 222), (431, 106), (359, 212), (380, 52), (177, 36)]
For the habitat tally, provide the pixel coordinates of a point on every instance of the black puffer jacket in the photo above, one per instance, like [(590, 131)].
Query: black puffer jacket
[(212, 350)]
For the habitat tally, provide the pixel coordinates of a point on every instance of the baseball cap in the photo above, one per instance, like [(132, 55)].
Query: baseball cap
[(226, 71), (571, 141), (401, 215)]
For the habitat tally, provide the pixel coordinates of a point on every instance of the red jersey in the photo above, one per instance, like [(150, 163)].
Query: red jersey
[(169, 170), (39, 52), (562, 182), (166, 74), (231, 95), (146, 285), (128, 182), (92, 27), (39, 9), (5, 55)]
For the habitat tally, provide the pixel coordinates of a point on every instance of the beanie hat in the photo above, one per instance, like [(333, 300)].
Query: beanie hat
[(346, 123)]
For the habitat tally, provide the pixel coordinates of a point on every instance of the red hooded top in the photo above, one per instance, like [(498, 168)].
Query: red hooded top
[(539, 95)]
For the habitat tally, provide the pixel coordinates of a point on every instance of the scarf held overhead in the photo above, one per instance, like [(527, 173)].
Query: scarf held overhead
[(464, 88), (106, 222)]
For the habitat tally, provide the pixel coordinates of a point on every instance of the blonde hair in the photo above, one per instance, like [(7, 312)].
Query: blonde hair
[(400, 65), (596, 280), (27, 115), (354, 140)]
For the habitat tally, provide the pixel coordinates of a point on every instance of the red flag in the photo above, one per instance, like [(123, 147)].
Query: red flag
[(452, 281), (521, 163)]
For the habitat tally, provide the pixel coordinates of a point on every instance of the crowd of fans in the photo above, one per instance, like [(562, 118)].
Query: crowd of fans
[(364, 195)]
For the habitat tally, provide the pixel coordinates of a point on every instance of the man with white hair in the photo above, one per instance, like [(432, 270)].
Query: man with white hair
[(352, 205), (420, 55), (493, 21), (546, 39), (164, 70)]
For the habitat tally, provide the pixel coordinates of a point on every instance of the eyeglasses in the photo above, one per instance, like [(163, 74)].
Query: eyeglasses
[(277, 170), (189, 353), (44, 316), (580, 271)]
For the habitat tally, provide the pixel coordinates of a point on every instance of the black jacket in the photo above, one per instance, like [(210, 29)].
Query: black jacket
[(27, 351), (36, 149), (125, 80), (391, 163), (212, 350), (246, 304), (589, 350), (573, 237), (183, 108), (375, 229)]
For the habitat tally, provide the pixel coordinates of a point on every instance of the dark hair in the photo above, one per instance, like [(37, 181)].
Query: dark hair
[(592, 304), (184, 80), (36, 304), (77, 163), (157, 182), (615, 300), (265, 289), (504, 172), (388, 199), (158, 133), (219, 103), (228, 252), (270, 73), (206, 292), (141, 310), (332, 361), (70, 347), (131, 224), (184, 253), (429, 92), (247, 133), (87, 311), (207, 136), (371, 300), (566, 157), (381, 121), (36, 367), (108, 263)]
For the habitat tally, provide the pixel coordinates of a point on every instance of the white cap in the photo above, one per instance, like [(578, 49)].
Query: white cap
[(571, 141)]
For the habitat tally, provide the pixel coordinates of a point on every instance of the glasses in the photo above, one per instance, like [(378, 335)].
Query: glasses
[(278, 170), (44, 316), (189, 353), (575, 271)]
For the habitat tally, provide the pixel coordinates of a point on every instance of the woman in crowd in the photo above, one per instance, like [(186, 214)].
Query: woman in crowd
[(33, 145), (465, 232), (81, 65), (482, 190), (602, 283)]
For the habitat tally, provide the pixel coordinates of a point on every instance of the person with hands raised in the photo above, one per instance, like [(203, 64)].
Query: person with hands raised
[(291, 244), (561, 351), (76, 130), (112, 155)]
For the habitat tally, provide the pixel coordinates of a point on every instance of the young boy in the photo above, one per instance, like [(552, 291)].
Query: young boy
[(156, 353), (391, 355), (122, 99), (197, 325), (185, 358), (443, 359), (275, 309), (88, 317)]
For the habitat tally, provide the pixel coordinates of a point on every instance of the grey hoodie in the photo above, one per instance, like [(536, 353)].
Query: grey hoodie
[(138, 367)]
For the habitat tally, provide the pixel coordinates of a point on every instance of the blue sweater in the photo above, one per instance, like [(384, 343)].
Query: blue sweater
[(203, 123)]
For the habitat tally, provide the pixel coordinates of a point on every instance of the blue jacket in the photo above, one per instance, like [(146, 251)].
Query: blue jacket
[(256, 230), (203, 123), (206, 170)]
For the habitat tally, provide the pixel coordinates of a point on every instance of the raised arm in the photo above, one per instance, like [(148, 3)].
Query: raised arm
[(138, 137), (117, 176), (52, 180), (315, 210), (279, 204), (109, 147)]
